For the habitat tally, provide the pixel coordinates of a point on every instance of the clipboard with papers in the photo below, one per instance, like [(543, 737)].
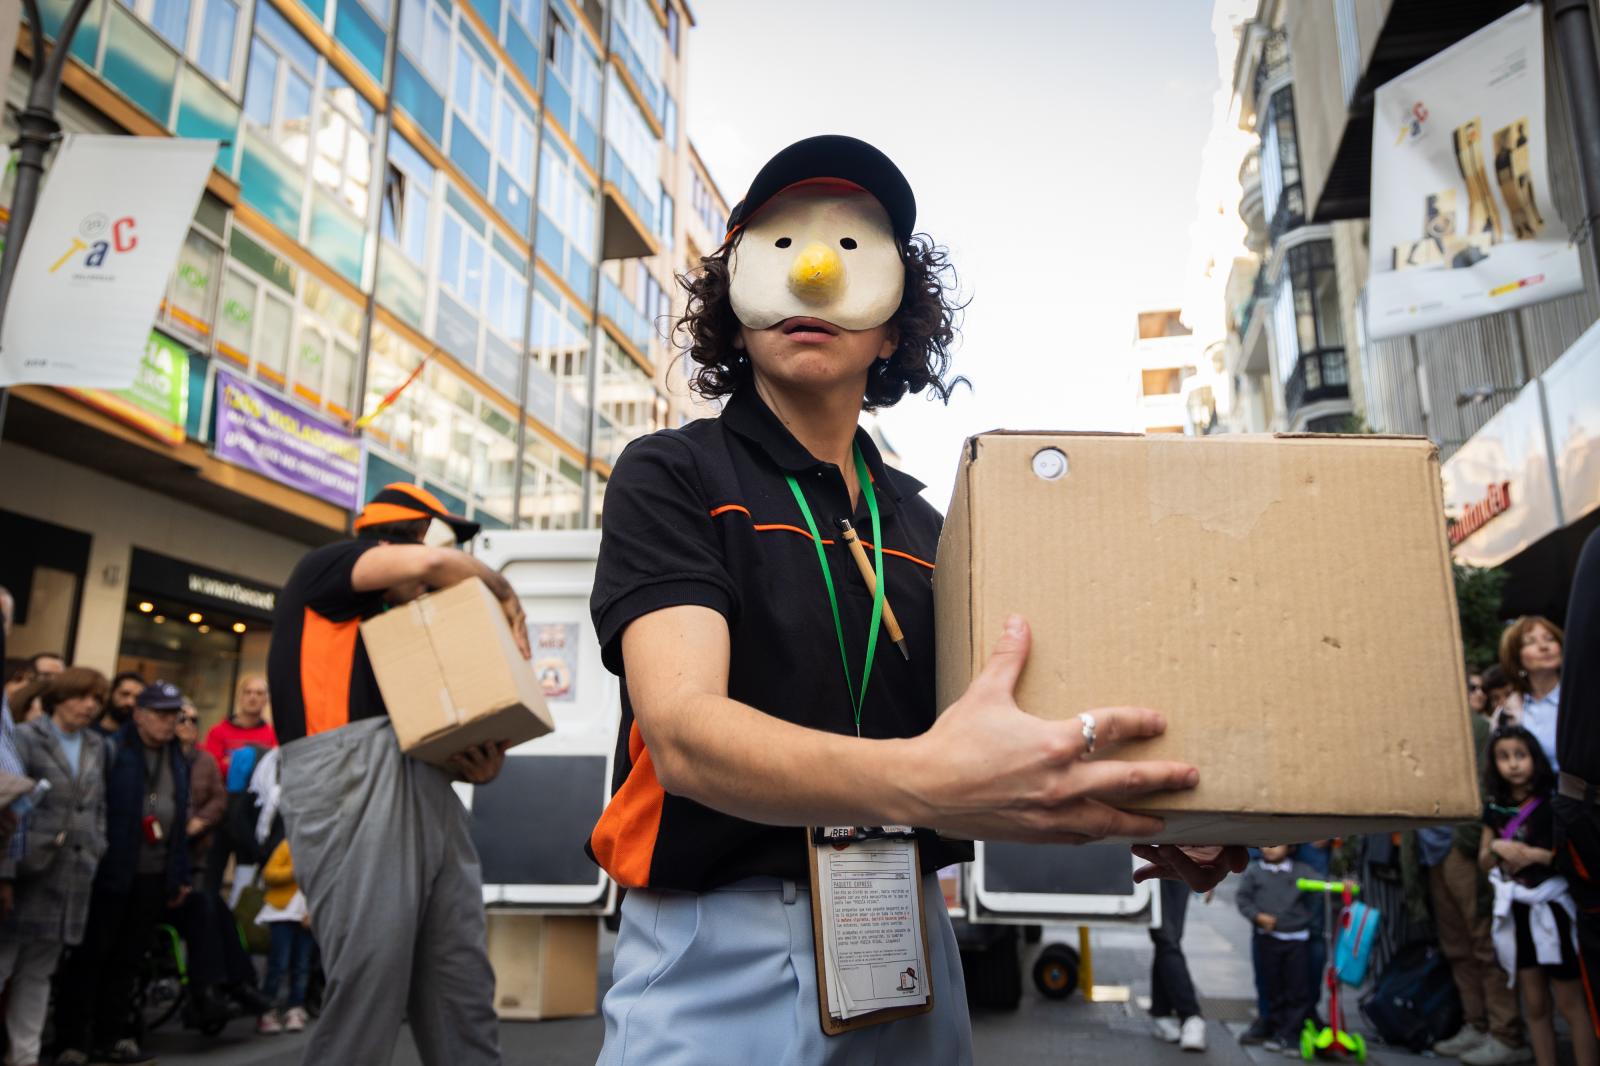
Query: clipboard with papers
[(867, 924)]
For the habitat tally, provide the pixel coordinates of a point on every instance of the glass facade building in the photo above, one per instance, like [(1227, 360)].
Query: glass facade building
[(453, 217)]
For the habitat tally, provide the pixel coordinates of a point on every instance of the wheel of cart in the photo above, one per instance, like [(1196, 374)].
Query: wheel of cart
[(1055, 971), (1009, 891)]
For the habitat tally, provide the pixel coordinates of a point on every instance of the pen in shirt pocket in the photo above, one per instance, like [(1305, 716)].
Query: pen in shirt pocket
[(847, 533)]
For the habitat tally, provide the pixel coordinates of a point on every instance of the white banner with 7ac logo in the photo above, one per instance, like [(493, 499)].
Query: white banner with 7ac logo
[(105, 236)]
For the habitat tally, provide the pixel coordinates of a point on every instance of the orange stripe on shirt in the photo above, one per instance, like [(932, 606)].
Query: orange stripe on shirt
[(624, 839), (327, 657), (768, 527)]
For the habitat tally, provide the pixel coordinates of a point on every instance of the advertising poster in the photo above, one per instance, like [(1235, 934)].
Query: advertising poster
[(1463, 223), (555, 659), (265, 433), (105, 236), (157, 403)]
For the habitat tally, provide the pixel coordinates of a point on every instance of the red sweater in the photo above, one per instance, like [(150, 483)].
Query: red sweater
[(226, 738)]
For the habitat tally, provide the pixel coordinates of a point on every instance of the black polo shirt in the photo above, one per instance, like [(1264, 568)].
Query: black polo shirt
[(703, 515)]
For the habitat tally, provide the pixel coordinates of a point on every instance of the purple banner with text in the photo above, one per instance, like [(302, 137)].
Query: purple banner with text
[(267, 434)]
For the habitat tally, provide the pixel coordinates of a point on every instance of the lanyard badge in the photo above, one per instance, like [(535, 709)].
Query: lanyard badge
[(858, 697)]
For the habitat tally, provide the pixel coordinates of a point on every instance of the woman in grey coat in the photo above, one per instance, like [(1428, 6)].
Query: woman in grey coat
[(66, 836)]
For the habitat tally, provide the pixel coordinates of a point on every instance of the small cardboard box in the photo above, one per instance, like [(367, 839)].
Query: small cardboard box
[(451, 675), (545, 966), (1286, 602)]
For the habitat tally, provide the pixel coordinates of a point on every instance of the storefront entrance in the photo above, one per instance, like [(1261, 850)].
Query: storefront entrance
[(201, 629)]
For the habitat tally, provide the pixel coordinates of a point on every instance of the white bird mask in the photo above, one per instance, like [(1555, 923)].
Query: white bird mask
[(821, 249)]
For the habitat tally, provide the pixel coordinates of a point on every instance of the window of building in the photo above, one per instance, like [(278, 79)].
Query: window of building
[(637, 40), (514, 139), (673, 28), (343, 163), (634, 162), (558, 367), (552, 488), (664, 219), (568, 206), (190, 304), (474, 91), (461, 261), (425, 35), (1282, 200), (283, 68), (1308, 327), (1166, 381), (206, 31), (507, 293), (625, 401), (408, 190), (572, 92)]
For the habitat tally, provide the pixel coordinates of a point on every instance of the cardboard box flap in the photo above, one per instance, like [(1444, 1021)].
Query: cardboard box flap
[(1287, 603)]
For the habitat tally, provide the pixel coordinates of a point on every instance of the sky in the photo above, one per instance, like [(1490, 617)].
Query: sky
[(1053, 146)]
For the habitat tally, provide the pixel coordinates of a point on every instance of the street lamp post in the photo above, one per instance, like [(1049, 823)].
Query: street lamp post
[(37, 130)]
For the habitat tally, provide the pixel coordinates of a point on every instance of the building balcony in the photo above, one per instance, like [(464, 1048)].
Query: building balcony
[(1252, 207), (630, 214), (1290, 212), (1319, 387)]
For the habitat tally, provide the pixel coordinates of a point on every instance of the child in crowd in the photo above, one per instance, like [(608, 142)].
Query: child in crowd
[(1270, 897), (284, 912), (1533, 911)]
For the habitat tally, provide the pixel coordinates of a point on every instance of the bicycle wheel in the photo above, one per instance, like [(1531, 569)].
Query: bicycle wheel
[(163, 984)]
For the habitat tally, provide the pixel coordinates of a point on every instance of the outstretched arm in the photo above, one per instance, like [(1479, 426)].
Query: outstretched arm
[(986, 769)]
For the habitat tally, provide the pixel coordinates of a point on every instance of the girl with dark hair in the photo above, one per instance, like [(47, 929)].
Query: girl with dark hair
[(1533, 910)]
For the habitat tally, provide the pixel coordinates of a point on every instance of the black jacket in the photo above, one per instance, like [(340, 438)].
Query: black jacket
[(125, 796)]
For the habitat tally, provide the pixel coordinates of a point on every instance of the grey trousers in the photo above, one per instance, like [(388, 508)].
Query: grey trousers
[(381, 850)]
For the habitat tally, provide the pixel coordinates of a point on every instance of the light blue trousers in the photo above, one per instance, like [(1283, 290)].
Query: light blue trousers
[(729, 977)]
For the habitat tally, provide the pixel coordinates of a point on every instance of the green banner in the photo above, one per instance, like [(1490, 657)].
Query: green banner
[(157, 402)]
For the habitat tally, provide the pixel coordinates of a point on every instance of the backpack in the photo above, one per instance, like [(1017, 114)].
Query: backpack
[(241, 764), (1358, 931), (1414, 1004)]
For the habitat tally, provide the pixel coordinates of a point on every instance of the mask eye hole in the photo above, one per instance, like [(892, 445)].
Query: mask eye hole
[(783, 242), (847, 243)]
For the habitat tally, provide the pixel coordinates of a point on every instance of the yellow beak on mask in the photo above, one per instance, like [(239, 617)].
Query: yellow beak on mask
[(817, 273)]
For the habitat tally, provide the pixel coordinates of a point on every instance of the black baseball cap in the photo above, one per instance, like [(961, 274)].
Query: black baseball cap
[(835, 156), (161, 696)]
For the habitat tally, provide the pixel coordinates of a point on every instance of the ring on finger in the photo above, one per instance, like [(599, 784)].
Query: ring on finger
[(1088, 731)]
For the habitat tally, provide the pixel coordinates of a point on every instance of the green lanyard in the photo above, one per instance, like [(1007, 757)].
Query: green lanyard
[(857, 699)]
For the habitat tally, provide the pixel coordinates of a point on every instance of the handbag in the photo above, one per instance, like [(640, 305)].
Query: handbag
[(1358, 931), (252, 898)]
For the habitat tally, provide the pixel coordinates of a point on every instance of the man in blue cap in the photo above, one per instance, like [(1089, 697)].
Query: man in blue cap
[(143, 873)]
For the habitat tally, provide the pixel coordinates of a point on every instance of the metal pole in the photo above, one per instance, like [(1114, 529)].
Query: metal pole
[(596, 332), (37, 130), (1580, 74)]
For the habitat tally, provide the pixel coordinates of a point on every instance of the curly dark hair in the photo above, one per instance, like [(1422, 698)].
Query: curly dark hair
[(927, 321)]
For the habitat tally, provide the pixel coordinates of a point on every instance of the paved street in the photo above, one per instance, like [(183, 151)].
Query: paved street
[(1040, 1031)]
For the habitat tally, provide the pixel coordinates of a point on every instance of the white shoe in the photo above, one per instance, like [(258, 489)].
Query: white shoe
[(1167, 1029), (1493, 1053), (1192, 1037), (294, 1020), (1465, 1040)]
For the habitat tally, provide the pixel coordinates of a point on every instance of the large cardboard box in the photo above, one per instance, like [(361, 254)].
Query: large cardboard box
[(1286, 602), (451, 675), (545, 966)]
